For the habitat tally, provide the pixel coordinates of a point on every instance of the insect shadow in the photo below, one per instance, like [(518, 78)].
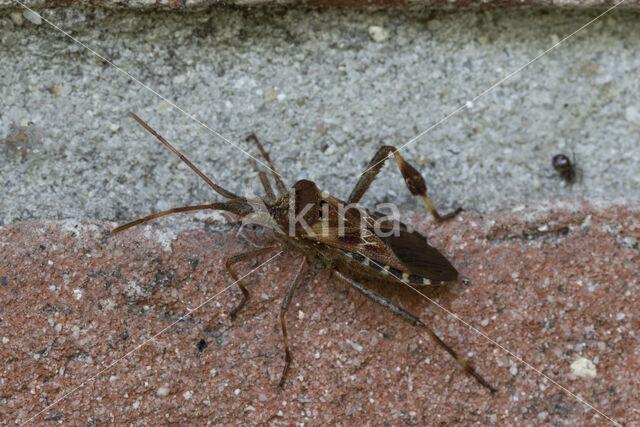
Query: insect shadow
[(354, 244)]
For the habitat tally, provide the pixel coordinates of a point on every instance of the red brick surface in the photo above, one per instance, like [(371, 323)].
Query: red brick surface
[(552, 286)]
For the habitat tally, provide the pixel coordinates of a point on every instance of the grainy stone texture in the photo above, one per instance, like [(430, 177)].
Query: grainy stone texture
[(323, 95), (356, 4), (557, 286)]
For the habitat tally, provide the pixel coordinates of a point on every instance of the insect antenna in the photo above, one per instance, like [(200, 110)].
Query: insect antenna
[(236, 206), (216, 188)]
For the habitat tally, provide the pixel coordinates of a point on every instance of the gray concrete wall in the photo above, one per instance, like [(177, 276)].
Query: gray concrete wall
[(323, 90)]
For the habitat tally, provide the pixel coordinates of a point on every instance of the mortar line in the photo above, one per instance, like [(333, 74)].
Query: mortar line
[(148, 340), (145, 86), (469, 104)]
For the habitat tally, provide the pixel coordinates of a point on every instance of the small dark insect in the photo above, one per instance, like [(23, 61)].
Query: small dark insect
[(202, 345), (353, 243), (565, 167)]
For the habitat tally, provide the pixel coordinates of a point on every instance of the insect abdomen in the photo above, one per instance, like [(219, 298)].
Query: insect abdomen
[(390, 271)]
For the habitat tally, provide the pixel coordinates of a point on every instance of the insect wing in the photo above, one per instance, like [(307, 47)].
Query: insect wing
[(419, 257), (351, 231), (405, 250)]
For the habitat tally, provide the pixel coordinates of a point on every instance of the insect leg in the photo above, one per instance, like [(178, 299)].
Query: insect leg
[(239, 258), (283, 310), (271, 197), (412, 178), (281, 187), (416, 322)]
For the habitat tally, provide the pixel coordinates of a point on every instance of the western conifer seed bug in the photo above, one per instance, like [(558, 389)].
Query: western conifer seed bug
[(354, 243)]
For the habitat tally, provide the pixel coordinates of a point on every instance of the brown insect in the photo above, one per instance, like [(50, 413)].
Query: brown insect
[(355, 243), (565, 167)]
